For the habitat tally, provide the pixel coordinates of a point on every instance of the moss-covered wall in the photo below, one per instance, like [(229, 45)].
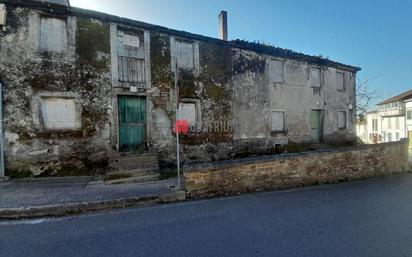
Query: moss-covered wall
[(230, 86), (84, 70)]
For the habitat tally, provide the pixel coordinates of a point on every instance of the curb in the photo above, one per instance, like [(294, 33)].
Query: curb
[(59, 210)]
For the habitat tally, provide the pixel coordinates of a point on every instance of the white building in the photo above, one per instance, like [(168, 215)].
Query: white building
[(408, 120), (391, 122)]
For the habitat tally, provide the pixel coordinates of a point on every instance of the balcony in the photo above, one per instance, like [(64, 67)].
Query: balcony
[(392, 109)]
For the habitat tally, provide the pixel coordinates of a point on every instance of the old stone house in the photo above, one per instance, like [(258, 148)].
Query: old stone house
[(81, 87)]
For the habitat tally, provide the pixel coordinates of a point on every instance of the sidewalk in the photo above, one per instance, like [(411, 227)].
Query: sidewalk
[(62, 196)]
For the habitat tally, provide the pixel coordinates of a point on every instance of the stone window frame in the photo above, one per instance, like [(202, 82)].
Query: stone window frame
[(66, 36), (285, 126), (143, 86), (345, 119), (36, 109), (271, 59), (34, 37), (196, 54), (198, 107), (344, 81)]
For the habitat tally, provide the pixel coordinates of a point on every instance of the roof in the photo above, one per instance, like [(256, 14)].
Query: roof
[(404, 96), (252, 46), (57, 2)]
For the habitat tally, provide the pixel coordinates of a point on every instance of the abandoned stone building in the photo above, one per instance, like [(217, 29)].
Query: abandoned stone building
[(82, 88)]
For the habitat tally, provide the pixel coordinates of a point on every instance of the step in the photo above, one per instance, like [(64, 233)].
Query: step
[(143, 162), (131, 173), (133, 179)]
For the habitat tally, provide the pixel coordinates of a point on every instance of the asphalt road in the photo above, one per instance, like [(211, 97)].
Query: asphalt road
[(363, 218)]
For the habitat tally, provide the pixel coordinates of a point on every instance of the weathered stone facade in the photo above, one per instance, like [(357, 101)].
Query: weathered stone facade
[(234, 90), (293, 170)]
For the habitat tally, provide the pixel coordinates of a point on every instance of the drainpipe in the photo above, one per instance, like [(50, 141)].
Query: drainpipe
[(2, 171)]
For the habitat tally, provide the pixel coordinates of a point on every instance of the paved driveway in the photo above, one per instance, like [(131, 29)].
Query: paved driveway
[(364, 218)]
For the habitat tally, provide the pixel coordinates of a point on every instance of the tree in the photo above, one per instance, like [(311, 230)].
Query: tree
[(365, 96)]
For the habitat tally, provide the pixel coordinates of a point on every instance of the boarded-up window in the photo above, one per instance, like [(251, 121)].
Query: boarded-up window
[(278, 121), (341, 120), (187, 111), (58, 113), (53, 35), (276, 71), (130, 60), (131, 69), (340, 81), (185, 55), (315, 77)]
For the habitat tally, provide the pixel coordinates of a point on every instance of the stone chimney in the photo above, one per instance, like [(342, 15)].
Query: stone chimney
[(223, 25)]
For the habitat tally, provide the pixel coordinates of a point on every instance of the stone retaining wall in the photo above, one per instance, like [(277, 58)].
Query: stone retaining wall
[(292, 170)]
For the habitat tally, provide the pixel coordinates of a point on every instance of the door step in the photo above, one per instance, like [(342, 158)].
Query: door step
[(133, 168), (144, 162), (132, 179)]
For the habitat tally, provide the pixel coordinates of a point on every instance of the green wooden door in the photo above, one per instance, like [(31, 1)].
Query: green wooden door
[(132, 123), (316, 122)]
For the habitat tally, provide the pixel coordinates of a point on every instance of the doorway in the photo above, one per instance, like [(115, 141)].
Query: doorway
[(132, 123), (316, 121)]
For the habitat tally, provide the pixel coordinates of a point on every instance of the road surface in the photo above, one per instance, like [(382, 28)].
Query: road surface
[(362, 218)]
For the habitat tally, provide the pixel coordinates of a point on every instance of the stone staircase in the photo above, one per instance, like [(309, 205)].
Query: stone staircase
[(133, 168)]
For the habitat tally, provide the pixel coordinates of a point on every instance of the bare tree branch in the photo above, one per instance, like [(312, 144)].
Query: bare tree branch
[(365, 96)]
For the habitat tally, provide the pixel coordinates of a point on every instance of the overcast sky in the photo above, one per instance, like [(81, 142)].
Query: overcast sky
[(375, 35)]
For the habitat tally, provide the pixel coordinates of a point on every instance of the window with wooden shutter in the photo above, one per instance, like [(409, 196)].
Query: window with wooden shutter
[(340, 81), (130, 59)]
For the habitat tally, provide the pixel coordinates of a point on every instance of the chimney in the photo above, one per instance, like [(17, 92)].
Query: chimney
[(223, 25)]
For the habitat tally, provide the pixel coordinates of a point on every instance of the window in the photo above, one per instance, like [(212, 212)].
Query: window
[(374, 124), (131, 70), (398, 136), (340, 81), (58, 113), (341, 120), (397, 123), (276, 71), (389, 137), (389, 123), (53, 35), (187, 111), (278, 121), (185, 55), (130, 59), (315, 77), (409, 114)]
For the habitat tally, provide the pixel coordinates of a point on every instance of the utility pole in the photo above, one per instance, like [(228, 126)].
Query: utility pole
[(176, 128), (2, 170)]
